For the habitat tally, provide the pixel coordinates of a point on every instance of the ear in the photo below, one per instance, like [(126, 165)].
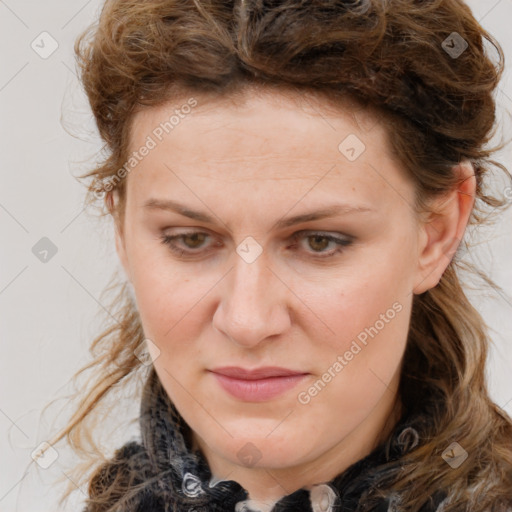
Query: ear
[(110, 200), (444, 229)]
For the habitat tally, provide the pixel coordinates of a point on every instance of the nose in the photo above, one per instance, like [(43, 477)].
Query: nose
[(253, 305)]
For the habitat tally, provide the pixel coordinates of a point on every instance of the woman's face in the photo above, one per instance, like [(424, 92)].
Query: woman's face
[(272, 234)]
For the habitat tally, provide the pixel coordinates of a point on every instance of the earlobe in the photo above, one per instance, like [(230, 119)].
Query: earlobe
[(443, 232)]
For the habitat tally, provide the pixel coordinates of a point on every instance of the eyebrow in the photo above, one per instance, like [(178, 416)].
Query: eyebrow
[(329, 211)]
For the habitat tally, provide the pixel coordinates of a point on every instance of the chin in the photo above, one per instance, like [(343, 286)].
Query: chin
[(261, 450)]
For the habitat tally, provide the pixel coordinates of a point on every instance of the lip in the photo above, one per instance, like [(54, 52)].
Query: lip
[(259, 384)]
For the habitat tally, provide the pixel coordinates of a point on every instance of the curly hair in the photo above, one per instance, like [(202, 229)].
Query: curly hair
[(396, 59)]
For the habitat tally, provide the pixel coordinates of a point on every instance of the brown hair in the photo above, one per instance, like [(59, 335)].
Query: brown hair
[(395, 59)]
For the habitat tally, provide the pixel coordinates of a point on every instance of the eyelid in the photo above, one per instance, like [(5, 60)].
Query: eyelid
[(333, 234)]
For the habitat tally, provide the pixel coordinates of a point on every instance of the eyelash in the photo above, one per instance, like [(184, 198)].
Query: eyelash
[(168, 240)]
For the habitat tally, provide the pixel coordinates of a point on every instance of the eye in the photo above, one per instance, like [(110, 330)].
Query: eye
[(319, 242), (193, 243)]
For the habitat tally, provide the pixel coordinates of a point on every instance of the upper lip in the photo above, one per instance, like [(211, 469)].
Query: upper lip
[(257, 373)]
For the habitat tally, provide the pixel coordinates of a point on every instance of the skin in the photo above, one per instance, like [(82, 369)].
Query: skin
[(248, 165)]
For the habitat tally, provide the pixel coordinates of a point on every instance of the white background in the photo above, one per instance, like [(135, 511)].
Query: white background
[(50, 310)]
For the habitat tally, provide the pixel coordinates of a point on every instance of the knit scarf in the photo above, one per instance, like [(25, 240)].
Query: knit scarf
[(163, 474)]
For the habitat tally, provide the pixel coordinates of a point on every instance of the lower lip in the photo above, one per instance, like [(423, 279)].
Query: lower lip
[(258, 390)]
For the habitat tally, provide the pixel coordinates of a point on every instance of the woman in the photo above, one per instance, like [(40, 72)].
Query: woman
[(289, 183)]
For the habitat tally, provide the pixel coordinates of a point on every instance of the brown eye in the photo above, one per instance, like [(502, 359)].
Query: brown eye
[(193, 240), (318, 243), (192, 243)]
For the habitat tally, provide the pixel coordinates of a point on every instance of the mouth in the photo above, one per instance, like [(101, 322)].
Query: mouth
[(257, 385)]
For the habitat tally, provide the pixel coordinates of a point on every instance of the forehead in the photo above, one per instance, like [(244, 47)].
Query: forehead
[(258, 120), (265, 137)]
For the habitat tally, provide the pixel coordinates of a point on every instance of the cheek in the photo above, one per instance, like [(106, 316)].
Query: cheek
[(166, 296), (371, 301), (358, 366), (169, 308), (368, 312), (167, 305)]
